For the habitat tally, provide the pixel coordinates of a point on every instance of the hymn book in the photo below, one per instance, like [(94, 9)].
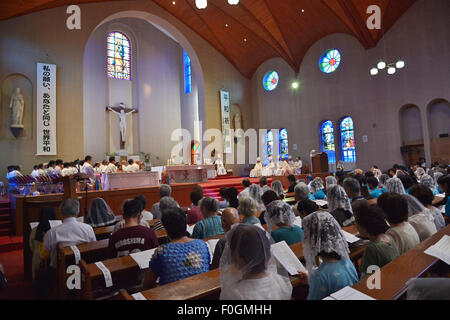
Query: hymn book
[(287, 258), (441, 249), (350, 238), (348, 293), (143, 258), (212, 246)]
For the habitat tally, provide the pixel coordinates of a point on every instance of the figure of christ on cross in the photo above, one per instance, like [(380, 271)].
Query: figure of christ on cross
[(122, 112)]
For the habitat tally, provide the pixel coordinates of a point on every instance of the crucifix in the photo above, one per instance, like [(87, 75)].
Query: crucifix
[(122, 112)]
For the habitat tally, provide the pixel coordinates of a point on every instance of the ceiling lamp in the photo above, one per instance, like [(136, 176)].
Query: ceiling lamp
[(233, 2), (201, 4), (400, 64), (374, 71), (295, 85), (381, 65), (391, 69)]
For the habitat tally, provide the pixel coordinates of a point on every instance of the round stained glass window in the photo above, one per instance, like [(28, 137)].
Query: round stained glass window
[(330, 61), (270, 81)]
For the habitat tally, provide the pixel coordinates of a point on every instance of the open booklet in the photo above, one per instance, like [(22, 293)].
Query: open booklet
[(287, 258), (298, 221), (190, 229), (321, 203), (143, 258), (350, 237), (53, 223), (441, 249), (348, 293), (212, 246)]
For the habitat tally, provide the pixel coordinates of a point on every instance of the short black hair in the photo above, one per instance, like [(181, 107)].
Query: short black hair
[(131, 161), (269, 196), (422, 193), (196, 196), (50, 163), (372, 182), (444, 180), (59, 162), (291, 178), (395, 207), (307, 206), (370, 217), (112, 159), (132, 208), (142, 199), (87, 158), (263, 181), (407, 181), (232, 198), (223, 192), (174, 221), (246, 183)]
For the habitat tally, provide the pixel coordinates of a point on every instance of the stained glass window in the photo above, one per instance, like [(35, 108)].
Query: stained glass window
[(330, 61), (187, 73), (269, 146), (270, 80), (327, 137), (119, 56), (348, 140), (284, 146)]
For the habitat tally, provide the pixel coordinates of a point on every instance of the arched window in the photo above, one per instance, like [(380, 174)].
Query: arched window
[(119, 56), (187, 73), (284, 146), (269, 146), (347, 140), (327, 139)]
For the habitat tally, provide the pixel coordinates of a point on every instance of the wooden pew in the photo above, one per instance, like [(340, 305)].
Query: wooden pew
[(201, 286), (412, 264), (102, 233)]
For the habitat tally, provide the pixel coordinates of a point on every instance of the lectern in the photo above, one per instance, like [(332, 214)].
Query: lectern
[(320, 163)]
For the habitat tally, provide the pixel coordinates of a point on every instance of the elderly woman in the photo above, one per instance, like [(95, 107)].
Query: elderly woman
[(317, 189), (383, 179), (420, 218), (278, 188), (330, 181), (181, 258), (211, 225), (100, 214), (248, 270), (425, 196), (339, 206), (428, 181), (436, 177), (280, 222), (301, 192), (248, 208), (326, 255), (255, 192), (395, 185)]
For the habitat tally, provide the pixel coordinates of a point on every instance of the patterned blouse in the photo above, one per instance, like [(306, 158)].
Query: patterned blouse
[(176, 261), (209, 227)]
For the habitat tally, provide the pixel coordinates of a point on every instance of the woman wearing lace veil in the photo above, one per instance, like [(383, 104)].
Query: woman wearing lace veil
[(327, 256), (428, 181), (329, 182), (280, 216), (255, 193), (395, 185), (248, 270), (420, 218), (278, 188), (339, 205), (317, 189)]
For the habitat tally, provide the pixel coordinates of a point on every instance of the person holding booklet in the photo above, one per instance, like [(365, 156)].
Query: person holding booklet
[(280, 222), (248, 270), (326, 255)]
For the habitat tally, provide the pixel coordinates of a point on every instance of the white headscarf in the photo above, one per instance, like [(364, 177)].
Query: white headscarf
[(436, 176), (377, 173), (322, 233), (395, 185), (419, 172), (316, 185), (383, 178), (427, 181), (338, 198), (279, 212), (255, 193), (277, 187), (330, 181)]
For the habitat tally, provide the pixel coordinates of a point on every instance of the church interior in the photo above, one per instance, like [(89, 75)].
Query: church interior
[(225, 150)]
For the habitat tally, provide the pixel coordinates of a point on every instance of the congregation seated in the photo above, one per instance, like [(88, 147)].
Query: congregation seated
[(395, 185), (263, 183), (145, 215), (428, 182), (323, 239), (194, 214), (339, 205), (353, 189), (371, 224), (292, 183), (395, 208), (182, 257), (329, 182), (246, 184), (248, 270), (425, 196), (301, 192), (232, 197), (317, 189), (280, 223), (420, 218), (267, 198), (100, 214), (211, 225), (306, 207), (230, 218), (164, 204), (374, 190), (255, 193), (444, 186), (133, 237), (223, 194), (248, 208), (164, 191), (278, 188)]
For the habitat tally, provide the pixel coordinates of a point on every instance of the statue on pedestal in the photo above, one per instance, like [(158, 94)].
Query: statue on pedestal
[(17, 106), (122, 112)]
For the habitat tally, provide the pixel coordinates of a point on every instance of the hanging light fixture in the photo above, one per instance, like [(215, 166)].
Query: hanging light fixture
[(233, 2), (201, 4), (374, 71), (400, 64), (391, 69), (381, 65)]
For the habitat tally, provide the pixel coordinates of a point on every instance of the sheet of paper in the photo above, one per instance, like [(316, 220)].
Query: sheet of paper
[(76, 253), (286, 257), (298, 221), (350, 237), (441, 195), (441, 249), (106, 274), (212, 246), (348, 293), (321, 203), (143, 258), (53, 223), (190, 229), (138, 296), (329, 298)]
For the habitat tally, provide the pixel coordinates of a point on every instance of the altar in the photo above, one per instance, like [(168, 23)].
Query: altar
[(190, 173), (111, 181)]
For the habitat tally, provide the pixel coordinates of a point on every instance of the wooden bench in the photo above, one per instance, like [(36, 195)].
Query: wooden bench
[(412, 264), (102, 233)]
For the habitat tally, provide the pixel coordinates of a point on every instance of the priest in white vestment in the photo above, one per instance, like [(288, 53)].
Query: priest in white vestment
[(221, 171), (256, 172), (268, 170)]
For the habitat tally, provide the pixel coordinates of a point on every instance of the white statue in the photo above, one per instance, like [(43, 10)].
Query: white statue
[(17, 105), (122, 120), (237, 121)]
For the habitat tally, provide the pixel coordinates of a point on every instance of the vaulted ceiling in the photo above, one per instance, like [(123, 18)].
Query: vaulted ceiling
[(253, 31)]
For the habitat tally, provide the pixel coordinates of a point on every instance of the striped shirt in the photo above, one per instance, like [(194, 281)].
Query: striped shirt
[(209, 227)]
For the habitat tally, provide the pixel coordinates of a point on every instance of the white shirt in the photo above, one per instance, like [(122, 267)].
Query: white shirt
[(133, 168), (66, 172), (70, 233), (35, 173), (50, 170), (58, 170), (88, 169), (102, 168), (111, 168), (244, 193)]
